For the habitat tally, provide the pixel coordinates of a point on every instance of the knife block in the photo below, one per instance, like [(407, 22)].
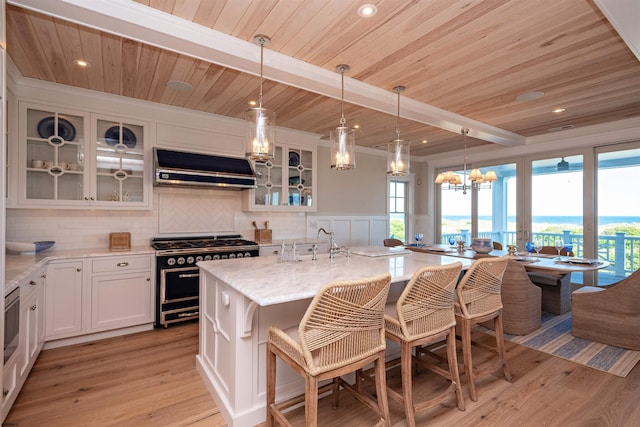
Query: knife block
[(263, 235)]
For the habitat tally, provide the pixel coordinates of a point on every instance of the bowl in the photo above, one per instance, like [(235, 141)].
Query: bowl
[(482, 246), (44, 245)]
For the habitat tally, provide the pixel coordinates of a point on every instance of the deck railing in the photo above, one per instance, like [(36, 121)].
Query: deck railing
[(621, 250)]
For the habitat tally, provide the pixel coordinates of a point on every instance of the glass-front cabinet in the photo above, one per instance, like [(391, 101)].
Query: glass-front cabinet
[(285, 183), (72, 159)]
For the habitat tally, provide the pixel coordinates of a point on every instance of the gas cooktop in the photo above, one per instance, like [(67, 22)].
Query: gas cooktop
[(201, 242)]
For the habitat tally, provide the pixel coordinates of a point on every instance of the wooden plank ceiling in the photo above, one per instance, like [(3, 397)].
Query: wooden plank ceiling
[(469, 57)]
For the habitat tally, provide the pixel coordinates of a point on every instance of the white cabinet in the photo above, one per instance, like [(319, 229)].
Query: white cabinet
[(98, 294), (121, 292), (31, 320), (31, 337), (74, 159), (286, 183), (63, 299)]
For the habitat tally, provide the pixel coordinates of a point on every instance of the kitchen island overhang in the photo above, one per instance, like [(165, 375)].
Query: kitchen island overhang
[(240, 299)]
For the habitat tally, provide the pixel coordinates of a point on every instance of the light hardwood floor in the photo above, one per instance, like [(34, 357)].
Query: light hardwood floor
[(149, 379)]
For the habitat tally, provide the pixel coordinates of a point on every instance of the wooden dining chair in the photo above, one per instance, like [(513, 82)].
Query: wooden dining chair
[(342, 331), (424, 315), (497, 245), (479, 300)]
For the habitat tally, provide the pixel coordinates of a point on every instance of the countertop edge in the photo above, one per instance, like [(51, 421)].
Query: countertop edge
[(17, 267)]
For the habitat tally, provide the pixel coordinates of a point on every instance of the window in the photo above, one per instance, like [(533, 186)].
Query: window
[(398, 208)]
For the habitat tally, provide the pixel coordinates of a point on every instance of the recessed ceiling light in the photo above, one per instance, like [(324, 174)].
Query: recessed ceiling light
[(559, 110), (180, 86), (356, 126), (367, 10), (253, 103), (424, 141), (529, 96), (81, 63)]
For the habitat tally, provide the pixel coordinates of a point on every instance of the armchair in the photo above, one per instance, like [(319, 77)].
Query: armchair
[(609, 314)]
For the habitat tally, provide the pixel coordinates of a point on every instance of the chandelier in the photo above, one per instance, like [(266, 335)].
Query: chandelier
[(398, 150), (260, 123), (476, 178), (343, 139)]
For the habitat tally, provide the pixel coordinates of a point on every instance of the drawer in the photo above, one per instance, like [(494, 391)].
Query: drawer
[(120, 263)]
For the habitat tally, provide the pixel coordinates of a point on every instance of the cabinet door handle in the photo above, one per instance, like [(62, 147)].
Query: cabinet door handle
[(148, 279), (122, 264), (44, 276), (78, 269), (33, 307), (91, 198), (32, 283)]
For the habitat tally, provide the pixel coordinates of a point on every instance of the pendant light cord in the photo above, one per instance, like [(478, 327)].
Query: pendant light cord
[(261, 65), (342, 119)]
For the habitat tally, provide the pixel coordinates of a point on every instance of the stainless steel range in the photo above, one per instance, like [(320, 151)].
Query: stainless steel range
[(177, 276)]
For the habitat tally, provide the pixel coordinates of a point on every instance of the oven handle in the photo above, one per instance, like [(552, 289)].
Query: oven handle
[(192, 314), (188, 276)]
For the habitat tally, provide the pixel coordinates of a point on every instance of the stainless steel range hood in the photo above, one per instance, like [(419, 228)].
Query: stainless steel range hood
[(201, 170)]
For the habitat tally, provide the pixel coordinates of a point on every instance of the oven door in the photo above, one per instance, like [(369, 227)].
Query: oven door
[(179, 284)]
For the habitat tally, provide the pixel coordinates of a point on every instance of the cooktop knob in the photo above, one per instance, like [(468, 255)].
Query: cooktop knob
[(171, 261), (180, 260), (232, 256), (239, 255), (190, 260), (207, 257), (199, 258), (247, 255)]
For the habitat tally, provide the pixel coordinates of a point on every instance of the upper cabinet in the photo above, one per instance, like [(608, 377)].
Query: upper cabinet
[(285, 183), (75, 159)]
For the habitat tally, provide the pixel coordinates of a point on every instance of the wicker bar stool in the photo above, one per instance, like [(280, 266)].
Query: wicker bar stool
[(342, 331), (424, 315), (479, 300)]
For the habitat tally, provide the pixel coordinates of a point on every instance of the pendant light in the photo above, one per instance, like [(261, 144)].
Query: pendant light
[(260, 123), (343, 139), (398, 150)]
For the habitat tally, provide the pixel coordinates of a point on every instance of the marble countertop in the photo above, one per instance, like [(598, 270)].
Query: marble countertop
[(268, 282), (17, 267)]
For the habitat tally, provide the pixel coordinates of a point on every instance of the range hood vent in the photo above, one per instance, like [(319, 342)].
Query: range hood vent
[(201, 170)]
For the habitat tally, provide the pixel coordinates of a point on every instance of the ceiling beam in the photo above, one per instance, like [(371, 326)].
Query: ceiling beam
[(132, 20)]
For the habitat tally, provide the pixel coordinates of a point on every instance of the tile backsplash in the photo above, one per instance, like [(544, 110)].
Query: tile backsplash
[(174, 211)]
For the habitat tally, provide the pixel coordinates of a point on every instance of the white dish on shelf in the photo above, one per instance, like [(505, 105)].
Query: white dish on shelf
[(28, 248)]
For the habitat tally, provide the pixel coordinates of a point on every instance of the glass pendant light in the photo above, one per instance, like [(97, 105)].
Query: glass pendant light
[(398, 150), (343, 139), (260, 123)]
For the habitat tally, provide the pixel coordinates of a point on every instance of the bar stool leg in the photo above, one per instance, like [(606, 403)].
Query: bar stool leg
[(468, 359), (453, 366), (271, 384)]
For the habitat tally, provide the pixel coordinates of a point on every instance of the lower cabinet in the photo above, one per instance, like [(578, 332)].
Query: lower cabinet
[(98, 294), (31, 338), (64, 299)]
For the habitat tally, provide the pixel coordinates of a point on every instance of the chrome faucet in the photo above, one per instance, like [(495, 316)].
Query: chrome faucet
[(334, 249)]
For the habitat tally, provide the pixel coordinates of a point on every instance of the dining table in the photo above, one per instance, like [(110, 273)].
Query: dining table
[(551, 264)]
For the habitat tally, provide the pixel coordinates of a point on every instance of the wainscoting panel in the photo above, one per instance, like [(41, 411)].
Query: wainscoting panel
[(350, 231)]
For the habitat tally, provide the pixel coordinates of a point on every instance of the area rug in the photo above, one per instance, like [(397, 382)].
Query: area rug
[(554, 337)]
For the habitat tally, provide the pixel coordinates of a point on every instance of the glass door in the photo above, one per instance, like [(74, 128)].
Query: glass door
[(618, 211), (497, 206)]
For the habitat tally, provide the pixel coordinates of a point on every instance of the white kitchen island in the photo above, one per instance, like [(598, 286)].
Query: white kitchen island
[(241, 298)]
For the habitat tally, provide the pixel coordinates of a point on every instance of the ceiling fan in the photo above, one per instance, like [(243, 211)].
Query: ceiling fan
[(562, 165)]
